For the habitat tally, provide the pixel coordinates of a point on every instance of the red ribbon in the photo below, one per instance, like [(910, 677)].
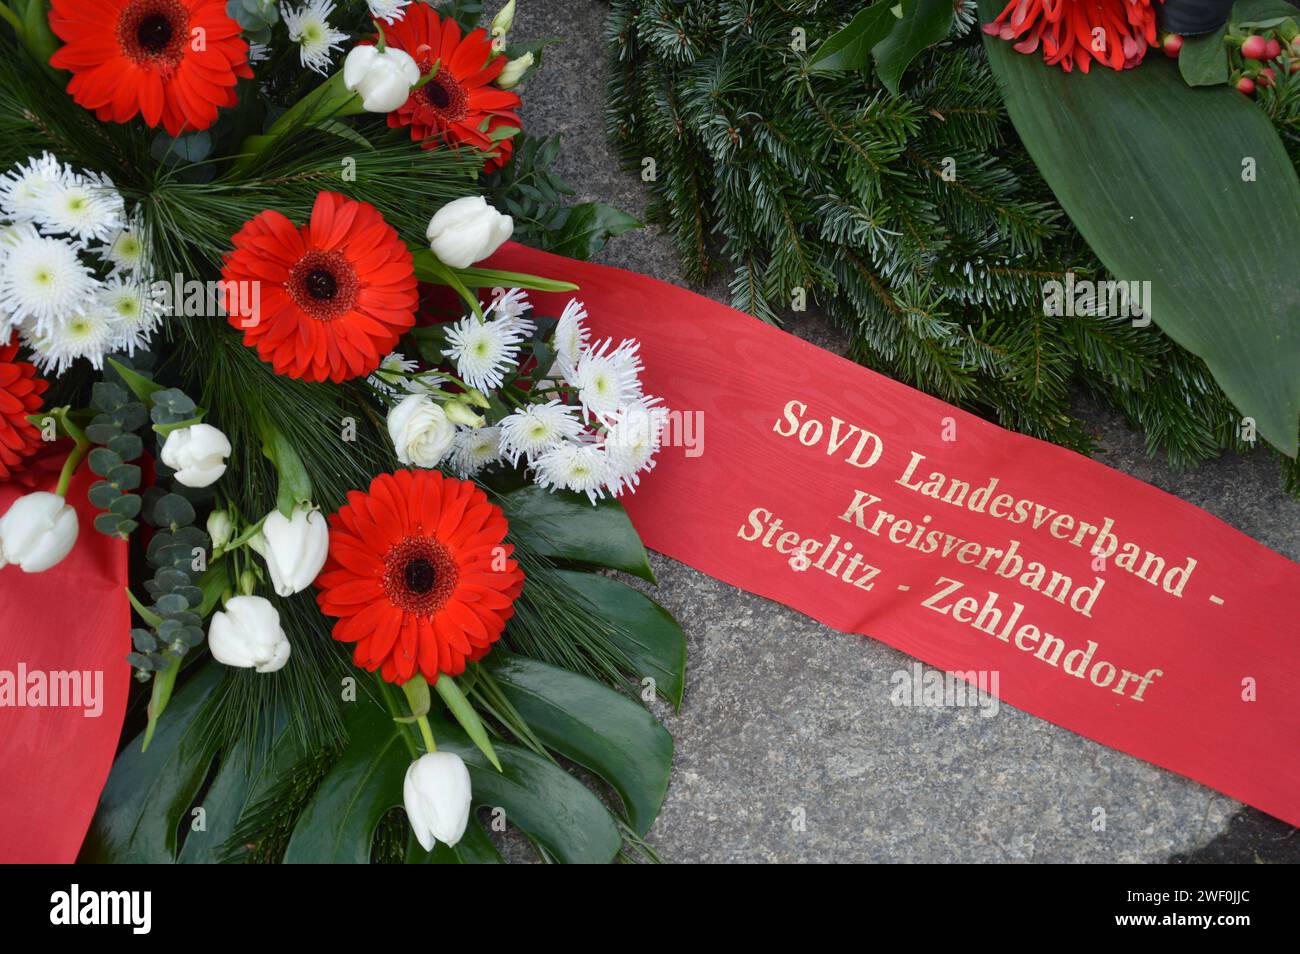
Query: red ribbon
[(63, 631), (1179, 647)]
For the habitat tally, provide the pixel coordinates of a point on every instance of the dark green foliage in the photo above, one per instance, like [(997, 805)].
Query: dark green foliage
[(826, 185)]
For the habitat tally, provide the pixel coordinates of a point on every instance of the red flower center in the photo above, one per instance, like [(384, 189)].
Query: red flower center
[(447, 96), (323, 284), (420, 575), (153, 32)]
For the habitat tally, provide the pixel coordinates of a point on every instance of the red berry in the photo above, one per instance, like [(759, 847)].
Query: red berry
[(1172, 44), (1254, 48), (1266, 76), (1246, 85), (1272, 49)]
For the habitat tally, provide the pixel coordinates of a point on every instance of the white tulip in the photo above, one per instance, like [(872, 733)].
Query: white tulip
[(383, 78), (197, 453), (504, 20), (294, 548), (421, 433), (514, 71), (247, 634), (467, 230), (436, 794), (220, 528), (37, 532)]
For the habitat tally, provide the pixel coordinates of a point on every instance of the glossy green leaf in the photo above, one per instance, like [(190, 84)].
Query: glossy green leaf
[(645, 632), (147, 793), (1203, 60), (594, 726), (850, 47), (551, 806), (1151, 172), (585, 229), (338, 824), (566, 526), (924, 23)]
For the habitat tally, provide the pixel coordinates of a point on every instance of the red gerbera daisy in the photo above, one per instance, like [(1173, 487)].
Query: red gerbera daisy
[(335, 294), (419, 575), (459, 104), (1116, 33), (171, 61), (20, 395)]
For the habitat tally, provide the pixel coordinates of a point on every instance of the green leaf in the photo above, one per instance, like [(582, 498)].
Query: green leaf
[(495, 278), (587, 228), (1151, 173), (295, 486), (1261, 14), (148, 793), (463, 711), (594, 726), (850, 47), (567, 526), (549, 805), (924, 23), (338, 825), (644, 631), (1203, 60)]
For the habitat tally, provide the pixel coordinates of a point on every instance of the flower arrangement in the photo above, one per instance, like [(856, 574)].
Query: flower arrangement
[(220, 224)]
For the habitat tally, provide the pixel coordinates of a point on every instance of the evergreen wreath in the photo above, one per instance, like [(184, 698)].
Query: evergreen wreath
[(830, 187)]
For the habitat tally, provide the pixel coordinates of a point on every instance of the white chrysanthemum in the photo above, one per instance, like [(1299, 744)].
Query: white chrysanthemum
[(390, 11), (391, 373), (536, 429), (483, 350), (572, 466), (632, 440), (43, 279), (608, 378), (85, 207), (571, 337), (124, 250), (24, 189), (310, 28), (475, 449), (510, 303), (135, 313), (90, 335)]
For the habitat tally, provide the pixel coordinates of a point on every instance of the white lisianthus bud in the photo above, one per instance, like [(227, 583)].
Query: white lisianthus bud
[(421, 433), (37, 532), (458, 412), (504, 20), (247, 634), (197, 453), (467, 230), (220, 528), (436, 794), (294, 548), (382, 78), (514, 71)]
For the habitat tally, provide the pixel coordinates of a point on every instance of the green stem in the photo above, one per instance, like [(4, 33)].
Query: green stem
[(163, 683), (146, 614), (328, 100), (76, 456), (426, 732), (12, 19), (395, 710)]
